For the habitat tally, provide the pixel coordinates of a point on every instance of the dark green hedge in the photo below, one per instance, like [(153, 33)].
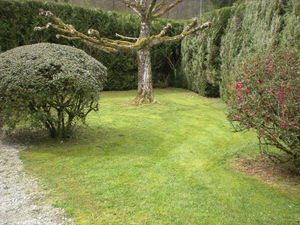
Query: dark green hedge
[(201, 60), (18, 18), (237, 32)]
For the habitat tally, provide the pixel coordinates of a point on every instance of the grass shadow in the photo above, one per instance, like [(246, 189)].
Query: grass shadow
[(97, 141)]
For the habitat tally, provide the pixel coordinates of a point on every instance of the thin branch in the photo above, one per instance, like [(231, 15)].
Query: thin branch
[(191, 25), (58, 36), (150, 9), (164, 30), (159, 6), (166, 9), (126, 37), (134, 5), (189, 29)]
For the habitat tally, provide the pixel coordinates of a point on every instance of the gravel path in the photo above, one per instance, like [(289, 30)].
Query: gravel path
[(21, 200)]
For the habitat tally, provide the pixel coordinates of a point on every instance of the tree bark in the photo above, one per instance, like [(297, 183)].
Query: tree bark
[(145, 89)]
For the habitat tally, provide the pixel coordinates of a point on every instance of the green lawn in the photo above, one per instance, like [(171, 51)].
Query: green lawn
[(166, 163)]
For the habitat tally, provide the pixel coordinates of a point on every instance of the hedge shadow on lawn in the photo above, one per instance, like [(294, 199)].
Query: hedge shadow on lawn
[(99, 141)]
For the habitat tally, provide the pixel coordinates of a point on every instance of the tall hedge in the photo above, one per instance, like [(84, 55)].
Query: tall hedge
[(201, 60), (238, 31), (275, 23), (18, 18)]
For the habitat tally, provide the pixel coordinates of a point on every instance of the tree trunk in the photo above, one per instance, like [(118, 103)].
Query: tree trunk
[(145, 89)]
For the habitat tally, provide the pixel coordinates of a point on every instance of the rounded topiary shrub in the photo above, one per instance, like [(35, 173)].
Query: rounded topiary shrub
[(266, 97), (49, 85)]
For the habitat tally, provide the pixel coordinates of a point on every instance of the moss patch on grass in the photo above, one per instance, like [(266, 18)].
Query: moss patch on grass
[(167, 163)]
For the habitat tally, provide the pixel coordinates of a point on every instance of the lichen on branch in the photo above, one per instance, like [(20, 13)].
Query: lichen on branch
[(109, 45)]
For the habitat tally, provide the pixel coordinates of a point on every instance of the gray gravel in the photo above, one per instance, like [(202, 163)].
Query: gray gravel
[(21, 200)]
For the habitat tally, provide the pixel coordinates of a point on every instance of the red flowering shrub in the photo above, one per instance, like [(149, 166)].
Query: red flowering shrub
[(266, 97)]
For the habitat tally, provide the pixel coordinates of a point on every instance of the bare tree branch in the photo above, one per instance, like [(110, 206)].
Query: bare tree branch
[(164, 30), (143, 5), (110, 45), (58, 36), (166, 9), (134, 5), (104, 43), (94, 33), (159, 6), (150, 9), (126, 37), (191, 25), (189, 29)]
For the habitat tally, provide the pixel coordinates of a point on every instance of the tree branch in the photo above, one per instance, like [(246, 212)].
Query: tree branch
[(106, 44), (126, 37), (166, 9), (94, 33), (110, 45), (150, 9), (134, 5), (159, 6), (164, 30), (191, 25), (189, 29)]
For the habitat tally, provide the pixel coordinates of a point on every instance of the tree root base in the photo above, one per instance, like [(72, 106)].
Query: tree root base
[(144, 100)]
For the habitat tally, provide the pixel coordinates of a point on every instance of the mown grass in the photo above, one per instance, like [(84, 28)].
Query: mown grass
[(167, 163)]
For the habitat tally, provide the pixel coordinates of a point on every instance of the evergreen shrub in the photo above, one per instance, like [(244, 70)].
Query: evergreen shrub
[(50, 85)]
